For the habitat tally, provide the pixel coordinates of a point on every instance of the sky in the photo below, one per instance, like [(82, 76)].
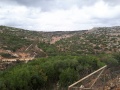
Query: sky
[(59, 15)]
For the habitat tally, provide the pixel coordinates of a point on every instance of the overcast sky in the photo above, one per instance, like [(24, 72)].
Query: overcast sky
[(59, 15)]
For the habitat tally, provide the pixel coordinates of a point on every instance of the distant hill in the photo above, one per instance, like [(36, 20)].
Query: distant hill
[(95, 41)]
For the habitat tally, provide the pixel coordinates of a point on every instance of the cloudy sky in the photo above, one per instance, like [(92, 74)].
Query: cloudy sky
[(59, 15)]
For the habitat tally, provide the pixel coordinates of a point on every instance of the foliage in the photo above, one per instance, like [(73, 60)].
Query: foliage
[(109, 59), (12, 42), (23, 77), (69, 59), (68, 76), (50, 49), (6, 55), (117, 57), (46, 72)]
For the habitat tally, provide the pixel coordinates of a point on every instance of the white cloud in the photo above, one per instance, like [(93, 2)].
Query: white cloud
[(74, 18), (103, 10)]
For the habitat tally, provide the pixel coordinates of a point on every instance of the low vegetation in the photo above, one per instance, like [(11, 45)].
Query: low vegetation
[(58, 64), (45, 73)]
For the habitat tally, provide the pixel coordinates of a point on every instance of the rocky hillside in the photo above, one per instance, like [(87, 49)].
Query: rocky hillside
[(94, 41), (33, 43)]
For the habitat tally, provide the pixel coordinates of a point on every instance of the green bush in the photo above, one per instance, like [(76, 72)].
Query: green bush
[(67, 77)]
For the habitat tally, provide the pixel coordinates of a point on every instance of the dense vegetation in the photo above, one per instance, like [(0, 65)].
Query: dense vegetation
[(64, 62), (12, 42), (48, 48), (47, 72), (52, 72)]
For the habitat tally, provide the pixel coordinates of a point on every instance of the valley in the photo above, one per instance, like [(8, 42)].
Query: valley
[(60, 57)]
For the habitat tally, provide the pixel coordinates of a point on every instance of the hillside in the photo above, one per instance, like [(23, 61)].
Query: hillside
[(17, 40), (60, 57), (95, 41)]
